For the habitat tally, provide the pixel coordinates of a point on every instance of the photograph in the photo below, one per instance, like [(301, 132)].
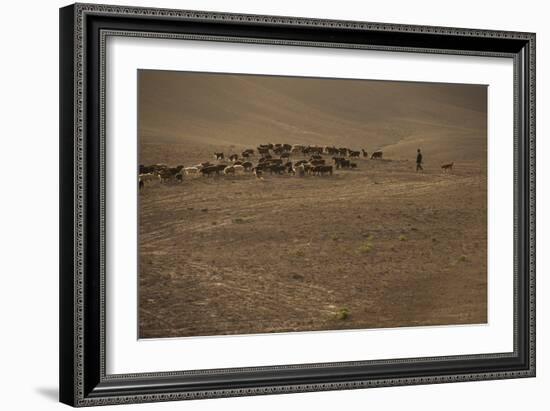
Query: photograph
[(277, 204)]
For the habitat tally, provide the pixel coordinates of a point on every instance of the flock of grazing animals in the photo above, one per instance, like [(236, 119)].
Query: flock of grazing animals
[(271, 158)]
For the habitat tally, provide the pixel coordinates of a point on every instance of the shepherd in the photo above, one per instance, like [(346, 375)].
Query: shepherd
[(418, 160)]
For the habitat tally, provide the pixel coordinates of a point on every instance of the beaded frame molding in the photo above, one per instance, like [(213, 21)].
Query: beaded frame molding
[(83, 32)]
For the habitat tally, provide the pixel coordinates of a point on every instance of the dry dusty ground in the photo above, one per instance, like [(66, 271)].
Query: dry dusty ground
[(381, 246)]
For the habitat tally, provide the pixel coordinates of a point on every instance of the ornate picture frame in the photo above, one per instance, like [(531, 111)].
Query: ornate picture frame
[(84, 29)]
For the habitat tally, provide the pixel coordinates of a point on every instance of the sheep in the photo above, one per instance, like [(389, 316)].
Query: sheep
[(313, 150), (321, 170), (332, 151), (277, 168), (191, 171), (209, 170), (341, 162), (233, 170), (376, 154), (315, 162), (258, 173), (300, 170), (279, 150), (288, 167), (204, 164), (169, 173), (220, 168), (149, 177)]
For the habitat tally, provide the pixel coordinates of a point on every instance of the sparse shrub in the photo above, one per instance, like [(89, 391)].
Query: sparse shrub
[(365, 248), (299, 253), (462, 258), (402, 237), (434, 240), (214, 222), (342, 313), (335, 238), (241, 220)]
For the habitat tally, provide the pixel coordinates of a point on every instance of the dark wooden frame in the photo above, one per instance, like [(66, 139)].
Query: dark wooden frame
[(83, 29)]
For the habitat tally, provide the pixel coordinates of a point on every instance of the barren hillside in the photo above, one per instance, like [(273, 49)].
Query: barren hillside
[(219, 111)]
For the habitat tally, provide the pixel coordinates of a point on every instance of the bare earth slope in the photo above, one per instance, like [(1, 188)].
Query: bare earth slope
[(220, 111)]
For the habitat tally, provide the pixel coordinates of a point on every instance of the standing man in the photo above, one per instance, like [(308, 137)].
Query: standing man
[(419, 160)]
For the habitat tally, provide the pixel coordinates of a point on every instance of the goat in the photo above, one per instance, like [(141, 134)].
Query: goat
[(376, 154)]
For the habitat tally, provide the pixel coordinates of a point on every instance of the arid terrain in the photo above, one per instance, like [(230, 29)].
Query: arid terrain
[(376, 246)]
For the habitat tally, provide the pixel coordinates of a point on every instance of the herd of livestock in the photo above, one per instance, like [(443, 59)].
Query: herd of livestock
[(270, 158)]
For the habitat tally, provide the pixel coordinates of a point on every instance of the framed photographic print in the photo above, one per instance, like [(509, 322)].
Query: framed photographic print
[(263, 204)]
